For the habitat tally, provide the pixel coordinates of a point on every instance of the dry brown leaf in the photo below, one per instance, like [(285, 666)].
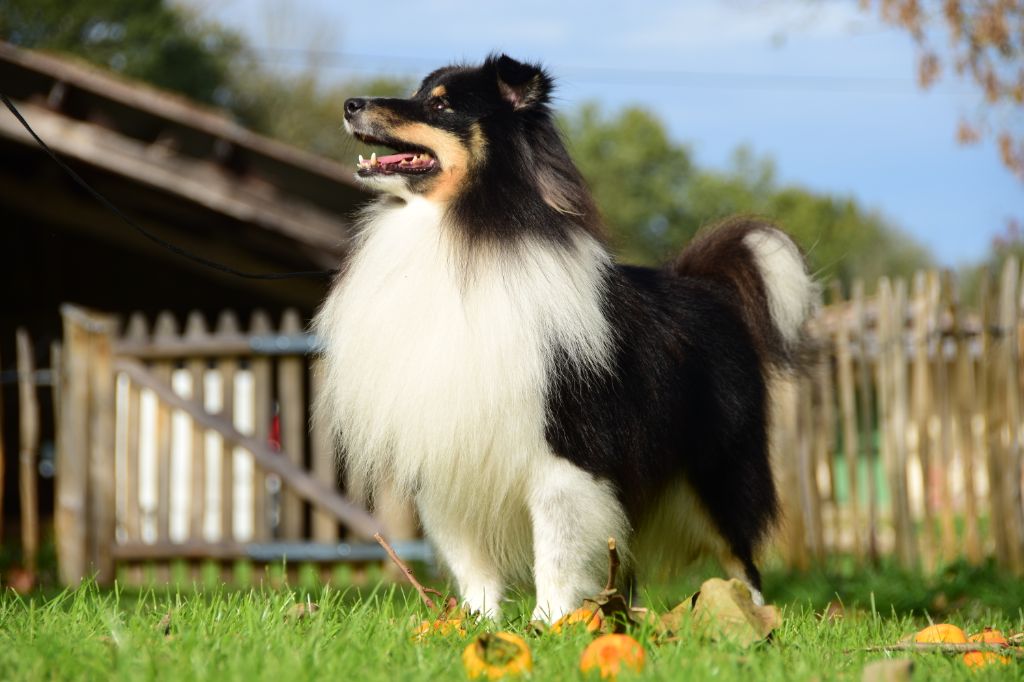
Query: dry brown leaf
[(676, 620), (725, 611)]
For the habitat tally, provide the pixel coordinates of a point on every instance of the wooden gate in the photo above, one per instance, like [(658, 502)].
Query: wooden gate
[(196, 447)]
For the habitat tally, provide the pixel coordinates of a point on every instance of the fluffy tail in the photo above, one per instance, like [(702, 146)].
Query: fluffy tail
[(765, 273)]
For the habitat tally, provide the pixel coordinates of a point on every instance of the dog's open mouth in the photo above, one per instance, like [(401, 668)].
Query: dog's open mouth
[(408, 162), (414, 162)]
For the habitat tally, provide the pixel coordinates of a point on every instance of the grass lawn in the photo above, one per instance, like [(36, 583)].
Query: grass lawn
[(364, 634)]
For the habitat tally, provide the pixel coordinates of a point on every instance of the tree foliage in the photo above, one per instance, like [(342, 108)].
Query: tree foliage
[(983, 43), (145, 39), (639, 177)]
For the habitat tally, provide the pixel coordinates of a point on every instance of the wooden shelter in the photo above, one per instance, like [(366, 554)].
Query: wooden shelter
[(84, 294)]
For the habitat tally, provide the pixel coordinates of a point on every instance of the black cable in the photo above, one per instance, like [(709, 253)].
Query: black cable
[(213, 265)]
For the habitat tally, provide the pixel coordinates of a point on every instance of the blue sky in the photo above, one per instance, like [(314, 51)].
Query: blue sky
[(821, 87)]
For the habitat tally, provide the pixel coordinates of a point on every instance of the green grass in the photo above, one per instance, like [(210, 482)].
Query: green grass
[(224, 634)]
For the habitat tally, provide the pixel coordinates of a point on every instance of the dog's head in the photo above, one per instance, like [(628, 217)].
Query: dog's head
[(450, 128)]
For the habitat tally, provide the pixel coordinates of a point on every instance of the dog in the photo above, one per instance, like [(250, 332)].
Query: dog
[(486, 357)]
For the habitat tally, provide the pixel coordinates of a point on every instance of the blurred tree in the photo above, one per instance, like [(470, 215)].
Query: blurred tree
[(984, 43), (1009, 243), (145, 39), (841, 238), (638, 175)]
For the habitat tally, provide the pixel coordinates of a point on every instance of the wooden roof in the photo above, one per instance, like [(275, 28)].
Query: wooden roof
[(185, 171)]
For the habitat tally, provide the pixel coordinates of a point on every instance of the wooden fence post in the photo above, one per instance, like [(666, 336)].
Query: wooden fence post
[(324, 465), (941, 296), (965, 397), (102, 518), (164, 329), (263, 414), (989, 373), (29, 450), (848, 418), (292, 412), (909, 554), (136, 331), (84, 516), (922, 396), (227, 325), (785, 446), (72, 464), (195, 332), (866, 402)]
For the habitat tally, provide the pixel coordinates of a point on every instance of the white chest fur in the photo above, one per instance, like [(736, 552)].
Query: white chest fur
[(438, 361)]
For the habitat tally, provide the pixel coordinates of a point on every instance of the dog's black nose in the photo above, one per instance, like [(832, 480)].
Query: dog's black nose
[(353, 105)]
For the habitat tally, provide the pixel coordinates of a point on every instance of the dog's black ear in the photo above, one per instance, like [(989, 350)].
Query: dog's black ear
[(521, 85)]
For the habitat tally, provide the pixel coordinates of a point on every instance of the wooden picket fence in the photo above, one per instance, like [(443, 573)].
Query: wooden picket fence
[(195, 446), (904, 438)]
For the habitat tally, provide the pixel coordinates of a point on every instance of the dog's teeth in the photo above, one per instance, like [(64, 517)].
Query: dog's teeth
[(373, 159), (362, 161)]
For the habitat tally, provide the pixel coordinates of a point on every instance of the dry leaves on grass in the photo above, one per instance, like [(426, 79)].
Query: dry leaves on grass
[(722, 611)]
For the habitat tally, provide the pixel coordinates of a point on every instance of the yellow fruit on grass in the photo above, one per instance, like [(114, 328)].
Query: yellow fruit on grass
[(979, 659), (582, 616), (942, 633), (608, 654), (989, 636), (496, 654), (439, 627)]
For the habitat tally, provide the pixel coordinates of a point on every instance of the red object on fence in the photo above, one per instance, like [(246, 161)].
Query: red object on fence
[(274, 437)]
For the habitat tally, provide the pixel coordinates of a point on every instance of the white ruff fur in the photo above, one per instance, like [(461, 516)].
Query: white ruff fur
[(438, 363)]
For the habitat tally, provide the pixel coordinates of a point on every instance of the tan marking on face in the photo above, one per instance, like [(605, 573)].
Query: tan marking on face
[(453, 155), (439, 91)]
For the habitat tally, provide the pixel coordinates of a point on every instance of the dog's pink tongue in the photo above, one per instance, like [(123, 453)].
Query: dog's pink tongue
[(394, 158)]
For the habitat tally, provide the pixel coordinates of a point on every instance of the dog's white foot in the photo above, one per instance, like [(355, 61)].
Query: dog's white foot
[(548, 613)]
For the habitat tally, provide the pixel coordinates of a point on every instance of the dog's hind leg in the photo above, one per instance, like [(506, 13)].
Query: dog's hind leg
[(573, 515), (744, 569)]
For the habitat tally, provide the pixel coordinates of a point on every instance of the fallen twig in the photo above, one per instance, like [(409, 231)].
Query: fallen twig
[(946, 647), (407, 571)]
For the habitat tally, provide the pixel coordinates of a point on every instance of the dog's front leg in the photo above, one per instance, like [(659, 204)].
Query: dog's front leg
[(479, 579), (573, 515)]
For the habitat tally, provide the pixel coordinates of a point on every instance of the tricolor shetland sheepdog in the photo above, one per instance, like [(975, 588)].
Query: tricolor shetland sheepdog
[(486, 357)]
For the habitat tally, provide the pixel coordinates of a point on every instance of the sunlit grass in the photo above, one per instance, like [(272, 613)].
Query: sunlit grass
[(364, 633)]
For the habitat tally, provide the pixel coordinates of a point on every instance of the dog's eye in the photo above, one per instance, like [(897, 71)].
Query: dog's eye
[(438, 104)]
